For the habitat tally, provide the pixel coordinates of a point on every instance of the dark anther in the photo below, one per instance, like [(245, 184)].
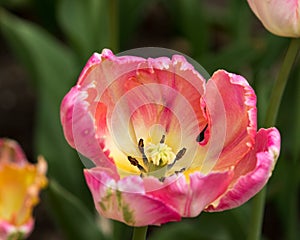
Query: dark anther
[(180, 171), (135, 163), (141, 144), (176, 172), (200, 137), (179, 155), (162, 179), (142, 150), (162, 139)]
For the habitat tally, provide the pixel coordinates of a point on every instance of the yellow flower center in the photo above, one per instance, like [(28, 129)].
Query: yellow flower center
[(160, 154), (157, 159)]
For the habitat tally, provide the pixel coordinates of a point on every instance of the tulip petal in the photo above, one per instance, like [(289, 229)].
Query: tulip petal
[(176, 83), (231, 105), (159, 94), (11, 152), (252, 172), (83, 114), (7, 229), (79, 127), (125, 200), (279, 17), (20, 184), (190, 196), (115, 99)]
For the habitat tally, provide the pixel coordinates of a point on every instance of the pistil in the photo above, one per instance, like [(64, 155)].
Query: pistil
[(158, 159)]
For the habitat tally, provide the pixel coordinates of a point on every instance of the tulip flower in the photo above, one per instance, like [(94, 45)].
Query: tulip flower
[(279, 17), (20, 183), (166, 144)]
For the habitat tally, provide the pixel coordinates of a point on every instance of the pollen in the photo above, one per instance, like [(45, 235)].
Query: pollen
[(158, 159), (160, 154)]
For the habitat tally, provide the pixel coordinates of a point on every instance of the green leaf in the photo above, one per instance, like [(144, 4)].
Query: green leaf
[(239, 20), (15, 3), (229, 225), (53, 71), (131, 14), (78, 222), (86, 25), (232, 58), (190, 18), (188, 231)]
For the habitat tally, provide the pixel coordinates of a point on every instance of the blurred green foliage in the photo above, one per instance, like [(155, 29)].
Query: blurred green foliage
[(53, 40)]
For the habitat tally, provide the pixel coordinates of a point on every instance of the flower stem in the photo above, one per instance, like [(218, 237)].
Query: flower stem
[(257, 215), (139, 233), (281, 81), (272, 111), (16, 236)]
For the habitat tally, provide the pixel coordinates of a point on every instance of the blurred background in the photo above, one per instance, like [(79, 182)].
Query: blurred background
[(46, 43)]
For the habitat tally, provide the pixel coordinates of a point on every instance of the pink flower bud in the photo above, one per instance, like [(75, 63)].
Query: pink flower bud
[(280, 17)]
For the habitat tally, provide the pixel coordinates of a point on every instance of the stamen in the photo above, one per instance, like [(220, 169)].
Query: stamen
[(180, 171), (141, 144), (179, 155), (162, 139), (200, 137), (135, 163), (142, 150), (176, 172), (162, 179)]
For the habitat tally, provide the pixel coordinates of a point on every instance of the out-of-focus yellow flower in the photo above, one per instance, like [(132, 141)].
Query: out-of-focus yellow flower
[(20, 183)]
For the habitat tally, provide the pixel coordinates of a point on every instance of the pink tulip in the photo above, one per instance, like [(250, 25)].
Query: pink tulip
[(280, 17), (166, 144), (20, 183)]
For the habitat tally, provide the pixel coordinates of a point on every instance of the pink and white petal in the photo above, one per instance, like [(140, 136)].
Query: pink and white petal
[(66, 114), (149, 112), (279, 17), (80, 129), (99, 81), (113, 82), (106, 83), (171, 90), (7, 229), (189, 198), (152, 118), (176, 83), (103, 69), (252, 172), (11, 152), (231, 105), (125, 200), (84, 117), (156, 103), (149, 109)]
